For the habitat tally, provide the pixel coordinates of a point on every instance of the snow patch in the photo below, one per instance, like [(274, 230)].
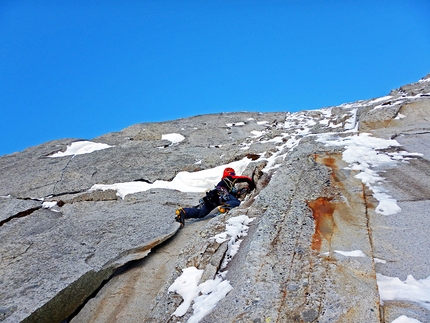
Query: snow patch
[(174, 138), (236, 124), (236, 228), (186, 285), (351, 123), (207, 294), (381, 99), (424, 79), (353, 253), (80, 148), (184, 181), (48, 205), (361, 153), (392, 288), (212, 291), (257, 134), (405, 319)]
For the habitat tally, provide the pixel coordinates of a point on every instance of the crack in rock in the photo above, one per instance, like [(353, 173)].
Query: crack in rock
[(62, 174), (20, 215)]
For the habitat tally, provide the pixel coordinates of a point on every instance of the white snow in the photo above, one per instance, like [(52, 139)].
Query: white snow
[(388, 104), (207, 294), (353, 253), (298, 125), (381, 99), (186, 285), (424, 79), (212, 291), (80, 147), (363, 155), (184, 181), (236, 124), (405, 319), (351, 123), (403, 155), (278, 139), (257, 134), (48, 205), (236, 228), (174, 138), (392, 288)]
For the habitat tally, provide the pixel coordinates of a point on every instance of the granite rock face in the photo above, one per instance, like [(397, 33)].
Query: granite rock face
[(62, 241)]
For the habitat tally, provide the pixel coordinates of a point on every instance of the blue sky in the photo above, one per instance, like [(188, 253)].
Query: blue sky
[(79, 69)]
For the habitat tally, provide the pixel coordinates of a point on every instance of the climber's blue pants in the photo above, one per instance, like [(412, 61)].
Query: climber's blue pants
[(206, 208)]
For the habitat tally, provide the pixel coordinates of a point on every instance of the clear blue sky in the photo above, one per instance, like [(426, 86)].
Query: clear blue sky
[(79, 69)]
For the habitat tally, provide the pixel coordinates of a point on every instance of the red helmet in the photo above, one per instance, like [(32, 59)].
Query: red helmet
[(228, 172)]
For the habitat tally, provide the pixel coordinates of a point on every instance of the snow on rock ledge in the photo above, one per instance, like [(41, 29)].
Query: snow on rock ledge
[(311, 202)]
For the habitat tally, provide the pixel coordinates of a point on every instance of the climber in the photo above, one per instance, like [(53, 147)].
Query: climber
[(225, 196)]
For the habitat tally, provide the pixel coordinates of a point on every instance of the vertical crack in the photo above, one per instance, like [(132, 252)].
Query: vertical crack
[(369, 232), (288, 280), (62, 174)]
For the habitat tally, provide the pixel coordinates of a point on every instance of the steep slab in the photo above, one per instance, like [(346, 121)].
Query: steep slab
[(127, 297), (288, 268), (52, 260), (401, 240)]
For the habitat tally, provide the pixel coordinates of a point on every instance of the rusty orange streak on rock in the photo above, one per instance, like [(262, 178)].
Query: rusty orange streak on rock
[(322, 209), (330, 162)]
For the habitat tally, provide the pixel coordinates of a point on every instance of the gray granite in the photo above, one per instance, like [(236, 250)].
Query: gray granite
[(287, 268)]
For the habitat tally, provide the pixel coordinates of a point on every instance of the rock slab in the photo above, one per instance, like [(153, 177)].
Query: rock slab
[(309, 211)]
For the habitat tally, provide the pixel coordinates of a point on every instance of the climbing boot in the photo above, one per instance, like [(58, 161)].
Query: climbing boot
[(180, 216), (223, 208)]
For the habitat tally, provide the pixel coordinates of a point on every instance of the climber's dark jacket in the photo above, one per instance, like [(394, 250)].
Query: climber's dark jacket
[(225, 193)]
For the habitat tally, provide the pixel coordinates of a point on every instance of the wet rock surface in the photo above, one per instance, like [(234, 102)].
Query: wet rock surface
[(309, 206)]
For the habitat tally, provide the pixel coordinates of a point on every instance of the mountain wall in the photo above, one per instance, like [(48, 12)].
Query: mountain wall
[(340, 209)]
